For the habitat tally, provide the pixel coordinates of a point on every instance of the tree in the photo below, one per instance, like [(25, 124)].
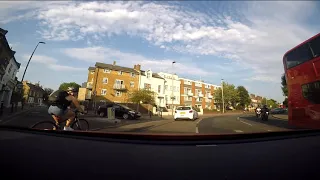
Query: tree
[(143, 95), (244, 98), (47, 92), (230, 95), (64, 86), (284, 85), (284, 89)]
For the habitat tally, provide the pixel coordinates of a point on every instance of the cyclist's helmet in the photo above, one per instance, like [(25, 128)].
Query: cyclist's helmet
[(264, 106), (72, 89)]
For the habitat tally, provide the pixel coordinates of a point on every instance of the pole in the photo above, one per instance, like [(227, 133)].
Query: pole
[(172, 89), (25, 70), (222, 96)]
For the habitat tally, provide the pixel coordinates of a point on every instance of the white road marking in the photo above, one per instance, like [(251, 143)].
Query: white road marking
[(207, 145), (197, 129), (238, 131), (246, 123), (238, 118), (269, 130)]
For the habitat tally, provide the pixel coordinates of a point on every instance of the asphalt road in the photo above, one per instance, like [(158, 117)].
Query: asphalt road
[(244, 123), (37, 114), (241, 124)]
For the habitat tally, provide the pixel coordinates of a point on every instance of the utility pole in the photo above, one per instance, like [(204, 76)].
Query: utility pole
[(172, 89), (222, 95)]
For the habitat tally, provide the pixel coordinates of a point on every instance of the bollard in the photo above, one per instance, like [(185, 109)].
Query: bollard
[(11, 107), (1, 108)]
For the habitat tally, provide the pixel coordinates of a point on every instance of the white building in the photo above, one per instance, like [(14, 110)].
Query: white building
[(171, 89), (155, 83), (8, 81)]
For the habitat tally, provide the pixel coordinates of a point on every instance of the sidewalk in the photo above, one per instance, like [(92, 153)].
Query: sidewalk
[(8, 114), (280, 116)]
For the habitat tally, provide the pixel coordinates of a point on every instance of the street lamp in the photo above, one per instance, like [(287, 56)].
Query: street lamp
[(172, 89), (222, 95), (30, 59)]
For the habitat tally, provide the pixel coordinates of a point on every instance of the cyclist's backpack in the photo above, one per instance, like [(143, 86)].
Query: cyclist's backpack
[(56, 96)]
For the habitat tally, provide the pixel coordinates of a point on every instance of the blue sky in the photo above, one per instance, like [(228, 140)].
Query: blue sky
[(241, 42)]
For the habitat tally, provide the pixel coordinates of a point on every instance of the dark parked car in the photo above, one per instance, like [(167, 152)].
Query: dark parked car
[(278, 111), (121, 111)]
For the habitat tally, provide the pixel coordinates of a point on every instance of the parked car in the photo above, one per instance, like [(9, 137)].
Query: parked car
[(186, 112), (121, 111), (278, 111)]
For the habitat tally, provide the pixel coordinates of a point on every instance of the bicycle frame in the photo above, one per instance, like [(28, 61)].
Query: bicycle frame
[(76, 120)]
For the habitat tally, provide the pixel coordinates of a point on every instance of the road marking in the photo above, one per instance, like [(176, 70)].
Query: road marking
[(238, 118), (238, 131), (269, 130), (197, 129), (207, 145), (246, 123)]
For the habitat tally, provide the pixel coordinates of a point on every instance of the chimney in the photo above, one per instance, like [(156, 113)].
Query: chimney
[(138, 67), (114, 63)]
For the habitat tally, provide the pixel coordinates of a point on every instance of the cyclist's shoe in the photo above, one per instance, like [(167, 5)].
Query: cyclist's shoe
[(67, 128)]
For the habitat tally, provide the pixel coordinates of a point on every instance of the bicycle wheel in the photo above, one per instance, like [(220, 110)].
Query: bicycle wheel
[(45, 125), (80, 124)]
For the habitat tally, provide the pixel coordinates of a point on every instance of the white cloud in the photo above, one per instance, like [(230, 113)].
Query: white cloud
[(51, 63), (254, 34), (107, 55)]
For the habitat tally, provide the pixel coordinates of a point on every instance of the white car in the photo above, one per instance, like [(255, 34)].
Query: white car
[(185, 112)]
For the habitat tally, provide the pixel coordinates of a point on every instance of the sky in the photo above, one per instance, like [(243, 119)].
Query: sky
[(240, 42)]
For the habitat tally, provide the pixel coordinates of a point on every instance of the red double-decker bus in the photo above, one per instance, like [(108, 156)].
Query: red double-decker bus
[(302, 71)]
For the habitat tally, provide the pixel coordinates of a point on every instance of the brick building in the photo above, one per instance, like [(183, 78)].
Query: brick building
[(33, 93), (197, 93)]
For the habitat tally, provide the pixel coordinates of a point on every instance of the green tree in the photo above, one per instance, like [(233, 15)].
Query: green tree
[(142, 95), (244, 98), (230, 95), (64, 86), (284, 85)]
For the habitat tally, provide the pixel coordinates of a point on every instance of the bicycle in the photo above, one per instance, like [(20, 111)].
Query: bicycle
[(77, 124)]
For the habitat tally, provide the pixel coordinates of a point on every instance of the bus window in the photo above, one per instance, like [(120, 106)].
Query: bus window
[(311, 92), (298, 56), (315, 46)]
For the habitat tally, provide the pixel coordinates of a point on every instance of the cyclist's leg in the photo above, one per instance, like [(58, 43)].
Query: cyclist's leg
[(70, 115)]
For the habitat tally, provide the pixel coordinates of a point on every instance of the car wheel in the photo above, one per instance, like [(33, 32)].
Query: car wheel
[(125, 116), (101, 114)]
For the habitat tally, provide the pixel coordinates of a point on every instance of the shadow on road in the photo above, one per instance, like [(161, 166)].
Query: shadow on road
[(281, 123)]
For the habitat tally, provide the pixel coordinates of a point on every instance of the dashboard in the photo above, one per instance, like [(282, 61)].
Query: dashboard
[(39, 154)]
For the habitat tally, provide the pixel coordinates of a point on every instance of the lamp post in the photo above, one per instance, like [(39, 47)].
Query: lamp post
[(30, 59), (222, 95), (172, 89), (25, 70)]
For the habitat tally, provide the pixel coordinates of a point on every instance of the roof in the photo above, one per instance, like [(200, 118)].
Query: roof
[(35, 87), (115, 67), (155, 75), (3, 32), (91, 68)]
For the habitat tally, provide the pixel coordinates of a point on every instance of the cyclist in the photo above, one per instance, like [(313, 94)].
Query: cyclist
[(59, 108)]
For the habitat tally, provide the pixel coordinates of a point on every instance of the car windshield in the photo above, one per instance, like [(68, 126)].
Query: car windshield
[(184, 108), (160, 67)]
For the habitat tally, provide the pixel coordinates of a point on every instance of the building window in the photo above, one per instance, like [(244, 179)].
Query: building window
[(147, 86), (103, 92), (133, 75), (91, 72), (106, 70), (132, 84), (166, 87), (120, 72), (148, 75), (166, 97), (159, 88), (118, 93), (105, 80), (10, 68)]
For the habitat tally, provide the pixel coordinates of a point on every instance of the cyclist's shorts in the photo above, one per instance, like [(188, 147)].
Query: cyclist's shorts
[(57, 111)]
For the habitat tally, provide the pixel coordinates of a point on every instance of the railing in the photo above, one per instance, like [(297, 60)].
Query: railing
[(210, 96), (190, 94), (119, 86), (200, 95)]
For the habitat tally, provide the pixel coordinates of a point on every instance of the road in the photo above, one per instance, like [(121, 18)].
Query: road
[(241, 123)]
